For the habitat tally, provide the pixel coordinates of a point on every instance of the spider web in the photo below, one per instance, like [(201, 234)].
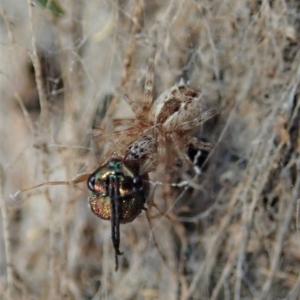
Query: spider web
[(230, 233)]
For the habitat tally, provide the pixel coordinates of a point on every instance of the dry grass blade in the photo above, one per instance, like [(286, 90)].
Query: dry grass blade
[(227, 228)]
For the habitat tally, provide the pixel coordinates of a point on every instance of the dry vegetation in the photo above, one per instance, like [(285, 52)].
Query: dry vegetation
[(235, 235)]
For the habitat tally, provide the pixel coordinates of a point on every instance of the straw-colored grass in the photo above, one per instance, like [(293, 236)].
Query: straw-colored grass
[(235, 234)]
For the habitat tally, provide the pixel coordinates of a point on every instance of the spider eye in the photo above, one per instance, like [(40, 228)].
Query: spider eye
[(91, 183)]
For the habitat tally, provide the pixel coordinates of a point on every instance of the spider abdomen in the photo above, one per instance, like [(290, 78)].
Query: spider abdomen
[(175, 106)]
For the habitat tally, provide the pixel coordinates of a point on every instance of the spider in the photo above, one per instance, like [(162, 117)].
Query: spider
[(161, 130)]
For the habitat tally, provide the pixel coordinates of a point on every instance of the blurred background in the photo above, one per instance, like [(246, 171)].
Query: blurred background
[(65, 67)]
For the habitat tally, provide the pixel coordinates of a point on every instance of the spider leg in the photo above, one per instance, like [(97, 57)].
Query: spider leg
[(135, 108), (200, 144), (203, 118), (131, 131), (181, 154), (149, 82), (125, 122), (134, 123), (78, 179), (97, 128), (150, 200), (200, 158), (161, 151)]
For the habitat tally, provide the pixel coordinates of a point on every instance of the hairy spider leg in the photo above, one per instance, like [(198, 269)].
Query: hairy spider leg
[(135, 108), (181, 154), (149, 83), (125, 122), (78, 179), (131, 131), (199, 144), (132, 122), (203, 118), (161, 148)]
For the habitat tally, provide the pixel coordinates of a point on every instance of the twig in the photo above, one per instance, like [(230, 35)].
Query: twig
[(8, 25), (9, 270), (38, 72), (283, 229), (136, 26)]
